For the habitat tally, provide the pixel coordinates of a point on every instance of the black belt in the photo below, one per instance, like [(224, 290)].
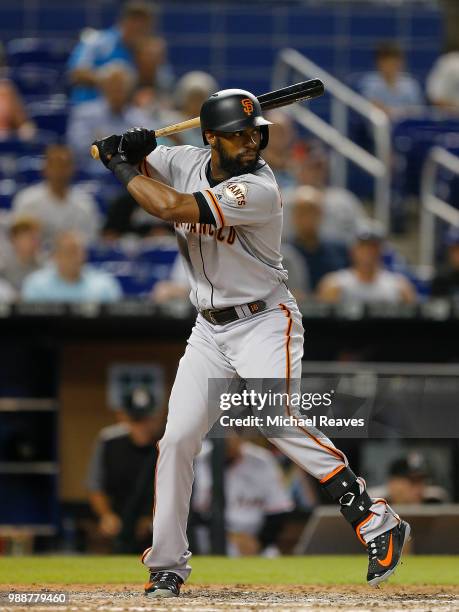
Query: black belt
[(223, 316)]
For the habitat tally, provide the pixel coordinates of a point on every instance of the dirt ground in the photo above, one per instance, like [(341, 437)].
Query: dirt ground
[(216, 597)]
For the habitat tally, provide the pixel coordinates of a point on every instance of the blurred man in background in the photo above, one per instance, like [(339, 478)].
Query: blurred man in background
[(118, 43), (408, 483), (443, 82), (256, 499), (24, 255), (112, 113), (279, 152), (366, 281), (342, 210), (154, 76), (120, 471), (392, 90), (55, 203), (192, 89), (68, 279), (320, 256), (446, 280), (7, 292)]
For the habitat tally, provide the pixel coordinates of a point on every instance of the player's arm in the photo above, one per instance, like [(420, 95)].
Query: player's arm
[(121, 155), (163, 201)]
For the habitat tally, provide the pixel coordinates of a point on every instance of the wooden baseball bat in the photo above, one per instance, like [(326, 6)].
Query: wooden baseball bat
[(306, 90)]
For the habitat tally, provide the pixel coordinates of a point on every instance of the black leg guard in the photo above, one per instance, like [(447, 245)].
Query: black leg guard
[(344, 488)]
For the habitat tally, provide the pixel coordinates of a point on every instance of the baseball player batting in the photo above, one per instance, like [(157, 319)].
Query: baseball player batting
[(227, 211)]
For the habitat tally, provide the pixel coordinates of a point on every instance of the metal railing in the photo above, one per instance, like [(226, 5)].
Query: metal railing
[(289, 65), (431, 205)]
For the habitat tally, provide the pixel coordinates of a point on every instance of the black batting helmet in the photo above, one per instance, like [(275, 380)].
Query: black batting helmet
[(232, 110)]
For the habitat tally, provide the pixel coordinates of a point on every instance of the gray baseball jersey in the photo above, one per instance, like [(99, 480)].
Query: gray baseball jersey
[(232, 262), (238, 260)]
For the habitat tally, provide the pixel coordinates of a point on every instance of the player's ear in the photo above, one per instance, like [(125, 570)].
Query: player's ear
[(210, 137)]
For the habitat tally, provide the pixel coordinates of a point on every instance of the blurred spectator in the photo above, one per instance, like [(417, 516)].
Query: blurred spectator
[(121, 473), (366, 281), (125, 216), (7, 292), (321, 256), (298, 272), (192, 89), (342, 210), (68, 279), (176, 287), (154, 77), (55, 203), (391, 89), (24, 256), (256, 499), (446, 280), (113, 113), (279, 152), (407, 483), (303, 489), (118, 43), (443, 82), (13, 116)]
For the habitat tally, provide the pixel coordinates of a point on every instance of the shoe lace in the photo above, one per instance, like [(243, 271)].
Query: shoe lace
[(377, 547), (167, 578)]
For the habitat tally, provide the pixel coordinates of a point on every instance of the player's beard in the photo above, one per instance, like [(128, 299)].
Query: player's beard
[(234, 166)]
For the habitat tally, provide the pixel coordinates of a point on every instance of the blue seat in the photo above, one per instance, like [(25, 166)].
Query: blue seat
[(13, 148), (49, 117), (137, 266), (413, 139), (8, 189), (29, 169), (36, 80), (103, 193), (43, 51)]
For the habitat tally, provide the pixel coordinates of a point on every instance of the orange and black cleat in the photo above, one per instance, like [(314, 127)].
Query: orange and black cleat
[(163, 584), (385, 552)]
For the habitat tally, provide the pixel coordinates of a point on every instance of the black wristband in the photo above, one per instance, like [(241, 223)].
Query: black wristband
[(123, 171)]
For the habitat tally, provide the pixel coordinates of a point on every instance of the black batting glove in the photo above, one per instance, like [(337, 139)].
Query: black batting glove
[(136, 144), (108, 148)]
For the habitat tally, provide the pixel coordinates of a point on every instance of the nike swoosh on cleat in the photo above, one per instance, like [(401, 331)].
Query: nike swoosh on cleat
[(388, 558)]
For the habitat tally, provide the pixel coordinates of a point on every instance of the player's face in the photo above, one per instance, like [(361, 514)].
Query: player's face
[(238, 152)]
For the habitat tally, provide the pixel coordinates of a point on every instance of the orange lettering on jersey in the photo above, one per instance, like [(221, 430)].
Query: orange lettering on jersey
[(211, 230), (231, 236), (220, 235), (247, 105)]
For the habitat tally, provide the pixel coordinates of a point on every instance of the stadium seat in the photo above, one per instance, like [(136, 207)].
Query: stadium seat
[(8, 189), (29, 169), (103, 193), (49, 116), (12, 149), (43, 51), (136, 264), (413, 139), (36, 80)]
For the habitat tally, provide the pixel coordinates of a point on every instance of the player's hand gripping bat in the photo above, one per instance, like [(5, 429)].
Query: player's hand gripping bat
[(306, 90)]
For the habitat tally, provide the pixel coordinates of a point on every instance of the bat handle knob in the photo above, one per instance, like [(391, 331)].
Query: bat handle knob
[(94, 152)]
